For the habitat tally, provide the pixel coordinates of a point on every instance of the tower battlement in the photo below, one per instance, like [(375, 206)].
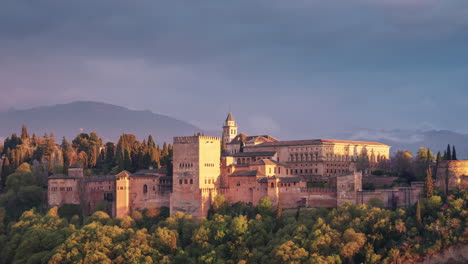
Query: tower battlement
[(194, 139)]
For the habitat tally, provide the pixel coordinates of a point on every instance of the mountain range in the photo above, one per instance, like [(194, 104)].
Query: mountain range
[(435, 140), (110, 121)]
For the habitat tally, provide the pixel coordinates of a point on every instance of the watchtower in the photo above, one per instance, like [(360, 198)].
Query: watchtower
[(196, 171)]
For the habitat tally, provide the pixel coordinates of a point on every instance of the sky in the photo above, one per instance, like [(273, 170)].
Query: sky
[(293, 69)]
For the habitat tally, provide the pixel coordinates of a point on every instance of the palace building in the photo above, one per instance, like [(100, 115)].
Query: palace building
[(315, 173)]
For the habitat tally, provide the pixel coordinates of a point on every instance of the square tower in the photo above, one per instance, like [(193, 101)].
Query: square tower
[(196, 171)]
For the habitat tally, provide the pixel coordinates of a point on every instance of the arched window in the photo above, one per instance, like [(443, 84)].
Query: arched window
[(191, 181), (145, 188), (272, 185)]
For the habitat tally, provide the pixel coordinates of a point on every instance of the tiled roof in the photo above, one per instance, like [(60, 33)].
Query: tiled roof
[(61, 176), (268, 162), (150, 173), (238, 139), (255, 154), (290, 179), (282, 179), (244, 138), (100, 178), (316, 142), (123, 174), (230, 117), (252, 173)]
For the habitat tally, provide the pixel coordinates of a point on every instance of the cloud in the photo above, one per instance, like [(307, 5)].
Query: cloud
[(262, 125), (315, 66), (393, 136)]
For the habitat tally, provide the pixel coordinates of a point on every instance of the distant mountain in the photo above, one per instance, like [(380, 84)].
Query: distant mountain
[(435, 140), (109, 121)]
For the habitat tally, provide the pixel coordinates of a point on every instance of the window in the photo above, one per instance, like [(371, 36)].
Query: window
[(191, 181), (180, 181), (272, 185), (185, 181), (145, 188)]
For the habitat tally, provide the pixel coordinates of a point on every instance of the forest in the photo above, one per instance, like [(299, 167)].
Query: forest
[(232, 233), (240, 233)]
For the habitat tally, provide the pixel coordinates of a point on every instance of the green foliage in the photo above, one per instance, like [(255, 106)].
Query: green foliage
[(265, 207), (429, 184), (68, 211), (237, 234), (376, 202), (21, 193)]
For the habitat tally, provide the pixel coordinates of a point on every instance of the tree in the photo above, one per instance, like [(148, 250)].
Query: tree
[(24, 133), (454, 153), (403, 164), (439, 157), (362, 161), (5, 171), (353, 243), (265, 206), (429, 184), (449, 153), (418, 212), (423, 160), (290, 252)]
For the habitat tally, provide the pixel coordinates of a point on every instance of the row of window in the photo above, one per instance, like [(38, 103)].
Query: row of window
[(209, 165), (62, 189), (335, 171), (300, 171), (185, 181), (276, 169), (97, 188), (186, 165)]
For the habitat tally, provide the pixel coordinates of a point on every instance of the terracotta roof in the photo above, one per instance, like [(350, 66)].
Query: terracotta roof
[(290, 179), (75, 166), (100, 178), (315, 142), (252, 173), (123, 174), (230, 117), (239, 139), (150, 173), (244, 138), (255, 154), (268, 162), (61, 176)]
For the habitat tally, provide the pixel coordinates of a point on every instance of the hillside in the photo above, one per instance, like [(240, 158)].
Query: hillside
[(109, 121)]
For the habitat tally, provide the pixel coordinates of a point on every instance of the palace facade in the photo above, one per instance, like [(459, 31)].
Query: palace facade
[(315, 173)]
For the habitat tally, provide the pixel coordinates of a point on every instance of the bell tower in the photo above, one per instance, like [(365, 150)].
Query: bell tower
[(229, 129)]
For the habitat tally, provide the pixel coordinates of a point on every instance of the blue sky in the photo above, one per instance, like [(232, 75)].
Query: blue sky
[(295, 69)]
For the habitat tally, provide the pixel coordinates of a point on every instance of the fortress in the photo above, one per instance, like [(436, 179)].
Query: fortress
[(315, 173)]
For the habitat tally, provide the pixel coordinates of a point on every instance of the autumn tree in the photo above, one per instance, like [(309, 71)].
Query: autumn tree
[(429, 183)]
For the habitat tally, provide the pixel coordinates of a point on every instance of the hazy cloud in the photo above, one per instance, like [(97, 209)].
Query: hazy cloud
[(307, 67)]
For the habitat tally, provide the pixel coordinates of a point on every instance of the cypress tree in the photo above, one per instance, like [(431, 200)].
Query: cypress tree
[(449, 153), (418, 212), (5, 171), (24, 133), (454, 153), (279, 211), (429, 184), (445, 155), (439, 158)]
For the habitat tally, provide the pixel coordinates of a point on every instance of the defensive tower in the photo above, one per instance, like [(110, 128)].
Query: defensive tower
[(196, 163)]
